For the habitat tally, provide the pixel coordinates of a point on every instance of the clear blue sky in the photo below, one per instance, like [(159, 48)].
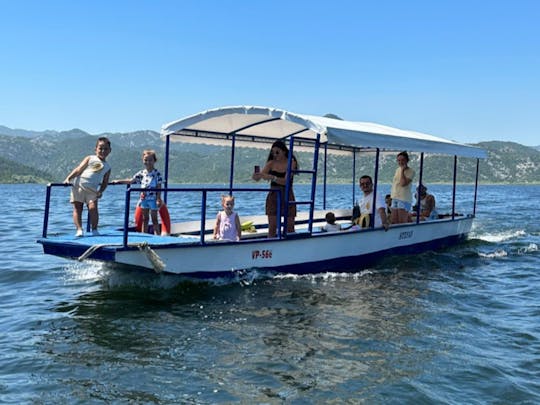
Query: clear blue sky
[(467, 70)]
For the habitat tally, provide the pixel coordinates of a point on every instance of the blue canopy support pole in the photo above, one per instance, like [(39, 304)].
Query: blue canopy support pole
[(47, 206), (314, 181), (325, 167), (288, 185), (454, 188), (88, 227), (354, 177), (203, 215), (166, 180), (476, 186), (126, 217), (278, 213), (231, 174), (418, 197), (375, 183)]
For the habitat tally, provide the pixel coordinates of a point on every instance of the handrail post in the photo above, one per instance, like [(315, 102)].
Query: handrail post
[(476, 186), (375, 182), (418, 197), (278, 216), (288, 185), (166, 180), (88, 225), (126, 216), (231, 173), (203, 215), (314, 181), (47, 205), (454, 189), (354, 176), (315, 164)]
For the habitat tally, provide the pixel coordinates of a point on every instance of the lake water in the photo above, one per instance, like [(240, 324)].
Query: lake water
[(452, 327)]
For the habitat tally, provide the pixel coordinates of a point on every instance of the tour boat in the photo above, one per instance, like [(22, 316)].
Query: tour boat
[(188, 248)]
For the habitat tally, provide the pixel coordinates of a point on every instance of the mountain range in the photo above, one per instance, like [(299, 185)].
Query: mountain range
[(48, 156)]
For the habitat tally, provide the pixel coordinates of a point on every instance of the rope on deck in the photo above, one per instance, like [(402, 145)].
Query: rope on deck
[(157, 264)]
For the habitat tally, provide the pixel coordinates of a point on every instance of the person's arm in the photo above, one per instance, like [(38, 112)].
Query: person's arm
[(78, 170), (430, 205), (216, 226), (238, 227), (381, 210), (122, 181), (264, 173), (384, 219), (404, 180), (159, 202), (104, 184)]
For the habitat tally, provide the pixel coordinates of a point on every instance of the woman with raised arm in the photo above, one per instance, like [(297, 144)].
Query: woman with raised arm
[(275, 171)]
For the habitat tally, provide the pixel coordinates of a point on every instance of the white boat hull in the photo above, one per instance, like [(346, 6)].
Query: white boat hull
[(339, 251)]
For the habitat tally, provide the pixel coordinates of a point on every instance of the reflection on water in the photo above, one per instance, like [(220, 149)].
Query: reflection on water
[(279, 333)]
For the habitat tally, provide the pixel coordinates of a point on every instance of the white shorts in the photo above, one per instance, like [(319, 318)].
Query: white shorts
[(404, 205), (82, 195)]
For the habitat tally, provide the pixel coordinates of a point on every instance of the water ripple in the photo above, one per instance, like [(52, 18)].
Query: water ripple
[(455, 326)]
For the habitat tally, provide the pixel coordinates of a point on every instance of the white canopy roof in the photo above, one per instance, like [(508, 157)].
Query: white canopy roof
[(251, 124)]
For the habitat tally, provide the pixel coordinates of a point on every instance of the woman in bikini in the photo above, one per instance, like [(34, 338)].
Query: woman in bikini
[(275, 171)]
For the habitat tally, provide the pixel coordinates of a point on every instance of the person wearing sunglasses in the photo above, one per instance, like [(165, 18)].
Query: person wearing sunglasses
[(366, 205)]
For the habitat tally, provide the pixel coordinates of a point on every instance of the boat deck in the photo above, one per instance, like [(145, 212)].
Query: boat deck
[(114, 238)]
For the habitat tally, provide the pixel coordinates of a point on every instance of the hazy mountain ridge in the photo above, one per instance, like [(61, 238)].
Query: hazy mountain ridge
[(13, 172), (32, 156)]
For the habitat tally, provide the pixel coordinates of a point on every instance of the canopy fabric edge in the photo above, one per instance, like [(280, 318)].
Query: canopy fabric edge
[(273, 123)]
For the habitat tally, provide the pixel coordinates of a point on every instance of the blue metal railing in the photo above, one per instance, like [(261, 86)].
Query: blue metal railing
[(204, 197), (48, 205)]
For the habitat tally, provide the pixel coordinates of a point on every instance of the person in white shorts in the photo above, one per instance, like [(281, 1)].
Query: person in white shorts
[(89, 180)]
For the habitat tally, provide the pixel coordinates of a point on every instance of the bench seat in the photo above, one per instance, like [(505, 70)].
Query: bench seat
[(259, 221)]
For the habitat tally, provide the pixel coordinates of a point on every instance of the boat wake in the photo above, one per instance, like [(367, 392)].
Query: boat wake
[(114, 277), (500, 236), (496, 254), (326, 277), (87, 271), (533, 247), (509, 243)]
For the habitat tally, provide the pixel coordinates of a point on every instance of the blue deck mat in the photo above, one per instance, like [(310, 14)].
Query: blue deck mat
[(115, 237)]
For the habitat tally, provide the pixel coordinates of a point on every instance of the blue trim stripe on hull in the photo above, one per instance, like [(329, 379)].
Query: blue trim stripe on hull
[(74, 251)]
